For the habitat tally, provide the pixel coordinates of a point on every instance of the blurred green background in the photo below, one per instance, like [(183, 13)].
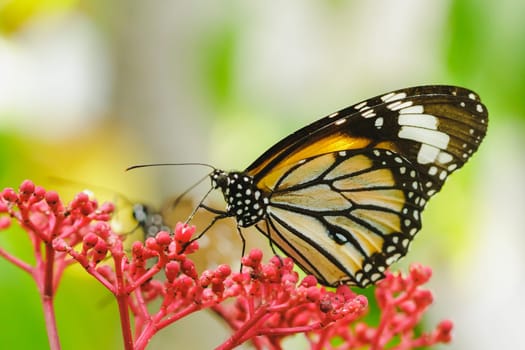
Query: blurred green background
[(88, 88)]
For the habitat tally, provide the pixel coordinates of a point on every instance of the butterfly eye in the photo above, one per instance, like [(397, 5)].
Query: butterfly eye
[(220, 180)]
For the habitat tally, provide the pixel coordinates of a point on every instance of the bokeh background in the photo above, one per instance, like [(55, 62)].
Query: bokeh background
[(88, 88)]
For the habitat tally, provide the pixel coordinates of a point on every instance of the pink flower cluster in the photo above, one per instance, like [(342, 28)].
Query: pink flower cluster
[(263, 304)]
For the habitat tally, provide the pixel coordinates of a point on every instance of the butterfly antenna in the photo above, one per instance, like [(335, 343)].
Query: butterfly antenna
[(167, 164)]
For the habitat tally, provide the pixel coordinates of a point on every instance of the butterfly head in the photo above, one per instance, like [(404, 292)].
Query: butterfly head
[(245, 201)]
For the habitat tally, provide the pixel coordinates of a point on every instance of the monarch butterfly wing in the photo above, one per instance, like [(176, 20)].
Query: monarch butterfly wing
[(436, 128), (345, 216)]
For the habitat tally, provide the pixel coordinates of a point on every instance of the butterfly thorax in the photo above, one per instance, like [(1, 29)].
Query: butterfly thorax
[(245, 201)]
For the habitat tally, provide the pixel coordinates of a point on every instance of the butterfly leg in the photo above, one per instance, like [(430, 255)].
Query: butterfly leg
[(243, 250), (220, 215)]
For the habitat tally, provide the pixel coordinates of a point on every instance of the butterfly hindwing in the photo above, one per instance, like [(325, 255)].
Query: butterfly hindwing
[(358, 214)]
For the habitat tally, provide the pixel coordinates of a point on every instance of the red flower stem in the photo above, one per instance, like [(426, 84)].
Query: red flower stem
[(122, 300), (388, 311), (60, 267), (289, 330), (17, 262), (90, 268), (139, 307), (48, 293), (219, 310), (144, 278), (175, 317), (49, 316), (243, 333), (49, 271)]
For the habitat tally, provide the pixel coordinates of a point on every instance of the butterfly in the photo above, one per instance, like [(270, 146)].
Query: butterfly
[(343, 196), (148, 220)]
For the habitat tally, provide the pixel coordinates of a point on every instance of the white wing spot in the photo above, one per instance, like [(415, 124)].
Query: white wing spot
[(368, 114), (361, 105), (333, 115), (452, 167), (479, 108), (340, 121), (412, 110), (426, 121), (342, 154), (393, 96), (427, 154), (375, 276), (432, 171), (392, 259), (399, 105), (431, 137), (444, 157), (443, 175), (462, 104), (472, 96), (402, 170), (379, 122)]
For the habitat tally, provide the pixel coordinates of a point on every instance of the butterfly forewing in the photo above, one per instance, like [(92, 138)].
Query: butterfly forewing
[(436, 128)]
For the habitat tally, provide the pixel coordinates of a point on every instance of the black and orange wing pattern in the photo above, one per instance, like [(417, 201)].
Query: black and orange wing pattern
[(343, 196)]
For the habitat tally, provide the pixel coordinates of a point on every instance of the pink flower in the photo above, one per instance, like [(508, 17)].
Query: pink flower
[(263, 304)]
